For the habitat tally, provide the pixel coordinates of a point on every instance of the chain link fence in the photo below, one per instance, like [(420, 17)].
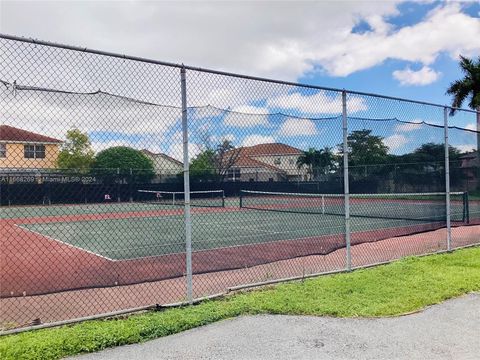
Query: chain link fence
[(127, 183)]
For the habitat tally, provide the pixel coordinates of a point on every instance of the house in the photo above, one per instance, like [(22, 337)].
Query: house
[(470, 165), (469, 160), (27, 151), (266, 162), (164, 166)]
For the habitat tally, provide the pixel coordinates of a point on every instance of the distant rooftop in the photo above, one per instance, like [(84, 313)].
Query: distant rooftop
[(269, 150), (12, 134), (165, 156)]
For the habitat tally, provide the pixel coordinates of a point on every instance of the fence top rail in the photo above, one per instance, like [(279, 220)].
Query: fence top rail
[(217, 72)]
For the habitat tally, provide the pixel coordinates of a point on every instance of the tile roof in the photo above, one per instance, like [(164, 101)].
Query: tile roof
[(248, 162), (247, 155), (13, 134), (270, 149), (152, 154)]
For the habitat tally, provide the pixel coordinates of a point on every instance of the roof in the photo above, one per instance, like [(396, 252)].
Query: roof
[(273, 149), (470, 155), (13, 134), (165, 156), (270, 149), (247, 155)]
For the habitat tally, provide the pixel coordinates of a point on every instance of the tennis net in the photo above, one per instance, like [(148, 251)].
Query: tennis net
[(206, 198), (409, 206)]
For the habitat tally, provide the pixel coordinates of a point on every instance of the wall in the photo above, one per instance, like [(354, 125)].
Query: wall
[(288, 163), (15, 158)]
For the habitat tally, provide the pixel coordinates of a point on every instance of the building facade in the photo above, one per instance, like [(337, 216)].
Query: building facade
[(267, 162), (25, 150), (165, 166)]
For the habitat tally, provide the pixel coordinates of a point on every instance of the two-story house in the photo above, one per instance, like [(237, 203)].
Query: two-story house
[(266, 162), (164, 166), (470, 164), (26, 151)]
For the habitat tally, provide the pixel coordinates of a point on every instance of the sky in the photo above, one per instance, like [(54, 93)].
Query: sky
[(396, 48)]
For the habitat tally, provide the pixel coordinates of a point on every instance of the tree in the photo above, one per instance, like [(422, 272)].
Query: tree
[(318, 162), (432, 154), (123, 164), (365, 148), (202, 166), (224, 158), (214, 163), (76, 153), (467, 87), (426, 165)]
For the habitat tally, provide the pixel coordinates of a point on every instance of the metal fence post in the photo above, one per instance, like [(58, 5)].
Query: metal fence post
[(447, 180), (186, 187), (346, 185)]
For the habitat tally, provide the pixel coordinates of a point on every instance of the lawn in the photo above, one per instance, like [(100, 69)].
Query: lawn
[(397, 288)]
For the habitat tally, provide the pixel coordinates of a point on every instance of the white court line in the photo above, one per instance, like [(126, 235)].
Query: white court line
[(64, 243), (252, 228)]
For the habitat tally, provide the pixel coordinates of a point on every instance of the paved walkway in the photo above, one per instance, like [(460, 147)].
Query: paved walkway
[(447, 331)]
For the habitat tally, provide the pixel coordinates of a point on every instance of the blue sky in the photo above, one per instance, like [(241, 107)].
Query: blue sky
[(379, 79), (396, 48), (355, 45)]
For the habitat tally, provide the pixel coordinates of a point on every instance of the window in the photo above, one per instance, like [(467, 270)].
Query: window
[(233, 174), (34, 151), (277, 161), (3, 150), (292, 161)]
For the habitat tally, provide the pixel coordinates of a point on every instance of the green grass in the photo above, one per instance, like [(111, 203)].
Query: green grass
[(397, 288)]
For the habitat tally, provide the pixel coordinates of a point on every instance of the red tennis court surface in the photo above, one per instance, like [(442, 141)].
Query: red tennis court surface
[(17, 311)]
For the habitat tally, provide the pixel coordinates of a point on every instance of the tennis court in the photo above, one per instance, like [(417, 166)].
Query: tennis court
[(49, 249), (137, 230)]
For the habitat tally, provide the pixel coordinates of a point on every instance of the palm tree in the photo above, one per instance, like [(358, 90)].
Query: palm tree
[(467, 87), (317, 161)]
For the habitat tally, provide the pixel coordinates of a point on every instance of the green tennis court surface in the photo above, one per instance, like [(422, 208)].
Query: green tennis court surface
[(137, 237), (18, 212)]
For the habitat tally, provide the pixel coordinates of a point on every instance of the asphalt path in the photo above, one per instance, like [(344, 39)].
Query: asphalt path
[(450, 330)]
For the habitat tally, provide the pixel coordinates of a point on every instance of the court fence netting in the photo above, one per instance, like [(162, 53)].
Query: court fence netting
[(127, 183)]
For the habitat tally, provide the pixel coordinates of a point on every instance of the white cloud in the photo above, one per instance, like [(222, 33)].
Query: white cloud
[(319, 103), (251, 40), (228, 137), (424, 76), (395, 142), (256, 139), (471, 126), (408, 127), (254, 42), (102, 145), (53, 114), (466, 147), (445, 29), (246, 116), (176, 151), (298, 127)]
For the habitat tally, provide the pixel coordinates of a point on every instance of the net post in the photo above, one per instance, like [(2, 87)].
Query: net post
[(186, 187), (466, 207), (118, 185), (447, 181), (346, 186)]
